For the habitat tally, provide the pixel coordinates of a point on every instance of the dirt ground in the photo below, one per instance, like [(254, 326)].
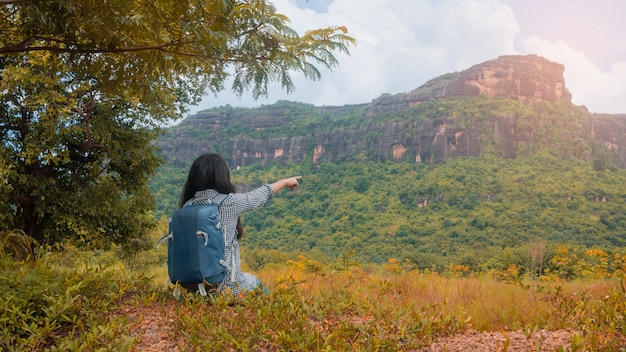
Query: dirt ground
[(502, 341), (152, 324)]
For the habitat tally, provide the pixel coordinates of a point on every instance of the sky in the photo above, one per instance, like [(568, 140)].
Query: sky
[(404, 43)]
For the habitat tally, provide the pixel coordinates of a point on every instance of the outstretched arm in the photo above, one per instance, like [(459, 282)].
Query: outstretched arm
[(291, 183)]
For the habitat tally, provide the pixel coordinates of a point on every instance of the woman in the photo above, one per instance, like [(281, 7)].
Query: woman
[(208, 176)]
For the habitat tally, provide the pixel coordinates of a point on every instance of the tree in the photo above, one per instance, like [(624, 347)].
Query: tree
[(86, 84)]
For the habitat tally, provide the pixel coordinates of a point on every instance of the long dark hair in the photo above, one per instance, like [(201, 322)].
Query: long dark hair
[(209, 171)]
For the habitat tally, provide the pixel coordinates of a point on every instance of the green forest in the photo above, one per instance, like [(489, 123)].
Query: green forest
[(481, 213)]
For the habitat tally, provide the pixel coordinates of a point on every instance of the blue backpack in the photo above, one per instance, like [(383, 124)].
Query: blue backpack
[(195, 252)]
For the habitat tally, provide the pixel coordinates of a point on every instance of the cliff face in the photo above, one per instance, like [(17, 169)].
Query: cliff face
[(528, 79)]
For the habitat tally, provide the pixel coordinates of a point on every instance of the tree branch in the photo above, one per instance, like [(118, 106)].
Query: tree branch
[(25, 46), (85, 112)]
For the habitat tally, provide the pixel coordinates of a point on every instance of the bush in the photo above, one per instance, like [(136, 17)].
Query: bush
[(47, 306)]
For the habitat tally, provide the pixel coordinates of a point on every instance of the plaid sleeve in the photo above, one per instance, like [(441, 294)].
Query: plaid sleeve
[(250, 200)]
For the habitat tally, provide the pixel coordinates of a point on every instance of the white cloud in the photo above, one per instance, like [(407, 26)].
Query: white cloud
[(598, 90), (404, 43)]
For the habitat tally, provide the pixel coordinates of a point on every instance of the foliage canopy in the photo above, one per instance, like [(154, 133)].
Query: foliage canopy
[(85, 85), (483, 213)]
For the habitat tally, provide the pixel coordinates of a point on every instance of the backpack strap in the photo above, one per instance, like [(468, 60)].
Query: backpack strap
[(167, 236), (219, 198)]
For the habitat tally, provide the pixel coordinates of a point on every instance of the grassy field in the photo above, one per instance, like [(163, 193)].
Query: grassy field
[(76, 300)]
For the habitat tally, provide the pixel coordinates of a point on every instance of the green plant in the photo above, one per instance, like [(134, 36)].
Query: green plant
[(47, 306), (17, 244), (602, 322)]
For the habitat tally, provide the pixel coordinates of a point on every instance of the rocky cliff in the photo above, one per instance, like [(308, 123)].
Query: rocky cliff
[(528, 79), (397, 128)]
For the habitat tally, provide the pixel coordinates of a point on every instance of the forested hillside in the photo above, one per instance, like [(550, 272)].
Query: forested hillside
[(562, 190)]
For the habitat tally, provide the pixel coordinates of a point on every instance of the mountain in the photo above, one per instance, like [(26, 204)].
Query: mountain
[(509, 106), (528, 79), (477, 168)]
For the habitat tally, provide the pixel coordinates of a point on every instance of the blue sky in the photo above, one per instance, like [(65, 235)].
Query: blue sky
[(404, 43)]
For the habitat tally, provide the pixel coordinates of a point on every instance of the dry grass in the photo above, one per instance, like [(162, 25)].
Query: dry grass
[(487, 304), (390, 305), (92, 299)]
